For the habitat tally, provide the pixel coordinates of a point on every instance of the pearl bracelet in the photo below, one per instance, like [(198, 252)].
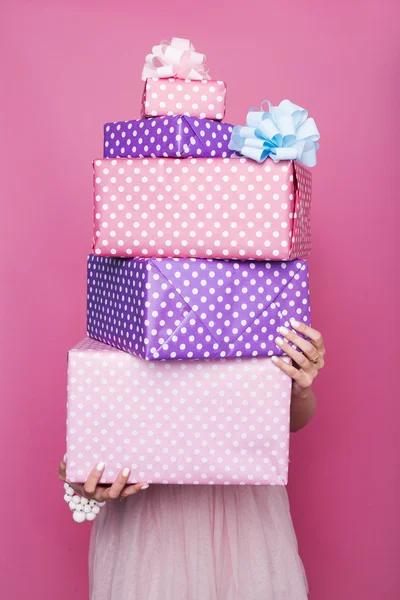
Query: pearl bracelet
[(82, 508)]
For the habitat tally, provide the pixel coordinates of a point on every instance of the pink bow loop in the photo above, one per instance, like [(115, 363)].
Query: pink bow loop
[(177, 59)]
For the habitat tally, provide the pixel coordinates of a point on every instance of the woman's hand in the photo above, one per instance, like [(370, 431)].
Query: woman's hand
[(308, 360), (93, 490)]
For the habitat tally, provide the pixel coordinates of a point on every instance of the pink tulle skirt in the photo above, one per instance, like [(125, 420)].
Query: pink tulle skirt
[(183, 542)]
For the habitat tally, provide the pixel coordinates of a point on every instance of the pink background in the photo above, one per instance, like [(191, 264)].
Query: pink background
[(71, 66)]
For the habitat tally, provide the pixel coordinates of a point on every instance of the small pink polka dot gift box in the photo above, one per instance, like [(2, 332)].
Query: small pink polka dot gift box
[(222, 421), (204, 99), (233, 208), (177, 82)]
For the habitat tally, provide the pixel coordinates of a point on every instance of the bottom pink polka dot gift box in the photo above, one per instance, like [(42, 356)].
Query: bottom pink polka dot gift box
[(221, 421)]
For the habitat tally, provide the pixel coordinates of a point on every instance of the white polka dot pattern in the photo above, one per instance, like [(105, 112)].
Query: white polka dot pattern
[(187, 422), (202, 208), (168, 137), (203, 99), (162, 309)]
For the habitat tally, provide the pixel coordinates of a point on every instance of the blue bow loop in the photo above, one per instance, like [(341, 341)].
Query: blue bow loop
[(284, 132)]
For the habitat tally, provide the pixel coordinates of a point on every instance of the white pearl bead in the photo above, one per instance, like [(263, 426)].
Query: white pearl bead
[(79, 517), (84, 501), (76, 499), (96, 509), (66, 486), (67, 498), (79, 508), (87, 509), (93, 503), (90, 516), (72, 505), (70, 491), (101, 504)]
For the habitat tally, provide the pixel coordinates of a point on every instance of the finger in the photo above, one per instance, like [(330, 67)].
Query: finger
[(314, 335), (93, 479), (306, 379), (62, 469), (303, 379), (286, 368), (305, 346), (303, 362), (114, 491), (131, 490)]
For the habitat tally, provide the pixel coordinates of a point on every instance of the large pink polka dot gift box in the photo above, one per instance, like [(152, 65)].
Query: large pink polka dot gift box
[(223, 421), (203, 208)]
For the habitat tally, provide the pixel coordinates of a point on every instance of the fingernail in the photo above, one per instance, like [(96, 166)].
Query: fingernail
[(279, 341), (126, 472), (100, 466), (274, 359), (283, 330), (65, 458), (294, 323), (145, 486)]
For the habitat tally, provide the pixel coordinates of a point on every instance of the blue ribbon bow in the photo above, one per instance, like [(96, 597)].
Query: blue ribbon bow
[(284, 133)]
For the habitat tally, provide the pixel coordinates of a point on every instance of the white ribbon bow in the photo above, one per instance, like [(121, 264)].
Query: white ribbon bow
[(284, 133), (176, 59)]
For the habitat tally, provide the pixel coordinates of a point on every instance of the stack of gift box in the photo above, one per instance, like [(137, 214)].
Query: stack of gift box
[(200, 234)]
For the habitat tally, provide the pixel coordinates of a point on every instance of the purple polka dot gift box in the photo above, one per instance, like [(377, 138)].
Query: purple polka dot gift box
[(162, 309), (176, 136)]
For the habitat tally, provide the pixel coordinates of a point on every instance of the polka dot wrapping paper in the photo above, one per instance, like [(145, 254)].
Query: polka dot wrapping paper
[(167, 136), (204, 99), (187, 422), (162, 309), (202, 208)]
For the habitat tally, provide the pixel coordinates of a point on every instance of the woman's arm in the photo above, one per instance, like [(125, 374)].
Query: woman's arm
[(302, 409), (308, 360)]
